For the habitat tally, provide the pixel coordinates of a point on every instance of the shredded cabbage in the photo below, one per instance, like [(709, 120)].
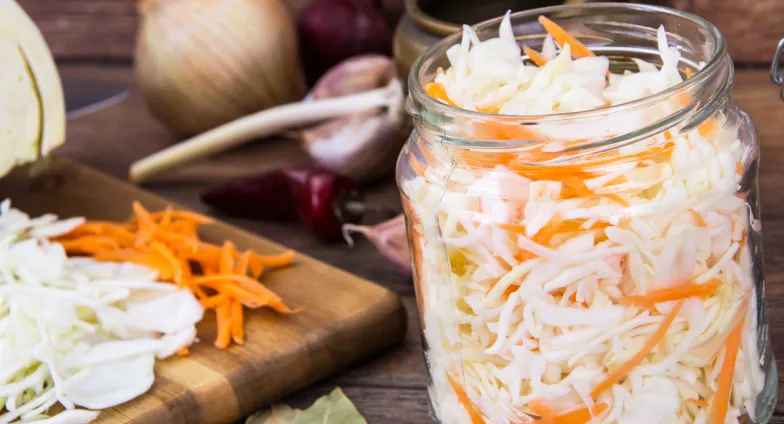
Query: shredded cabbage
[(522, 281), (75, 331)]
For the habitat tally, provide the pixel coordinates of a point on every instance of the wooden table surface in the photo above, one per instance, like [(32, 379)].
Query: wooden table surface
[(390, 388)]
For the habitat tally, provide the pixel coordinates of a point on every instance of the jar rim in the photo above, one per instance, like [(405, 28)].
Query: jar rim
[(712, 66)]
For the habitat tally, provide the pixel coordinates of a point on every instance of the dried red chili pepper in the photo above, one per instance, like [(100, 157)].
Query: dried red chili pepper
[(322, 200)]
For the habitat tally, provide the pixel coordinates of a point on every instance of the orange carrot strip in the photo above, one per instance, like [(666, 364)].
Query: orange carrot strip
[(580, 416), (227, 257), (543, 411), (249, 289), (214, 301), (675, 293), (142, 214), (191, 217), (688, 73), (283, 259), (438, 92), (465, 401), (174, 263), (247, 298), (185, 228), (199, 292), (722, 397), (89, 245), (146, 225), (535, 56), (618, 374), (237, 330), (223, 314), (241, 264), (700, 403), (166, 217), (708, 128), (562, 37), (183, 351), (698, 218), (121, 235)]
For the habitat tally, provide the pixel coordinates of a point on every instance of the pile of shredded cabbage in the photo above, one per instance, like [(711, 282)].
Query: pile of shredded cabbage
[(512, 320), (75, 331)]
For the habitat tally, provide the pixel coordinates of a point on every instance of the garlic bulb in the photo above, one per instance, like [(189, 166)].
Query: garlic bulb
[(32, 106), (202, 63), (364, 145)]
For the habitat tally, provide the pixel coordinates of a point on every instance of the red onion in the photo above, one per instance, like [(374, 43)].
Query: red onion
[(333, 30)]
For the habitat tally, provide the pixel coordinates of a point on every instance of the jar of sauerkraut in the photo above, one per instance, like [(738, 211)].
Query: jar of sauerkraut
[(581, 200)]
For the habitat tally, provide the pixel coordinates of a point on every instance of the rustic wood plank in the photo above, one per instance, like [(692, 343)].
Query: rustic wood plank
[(105, 29), (95, 29), (752, 27), (390, 389)]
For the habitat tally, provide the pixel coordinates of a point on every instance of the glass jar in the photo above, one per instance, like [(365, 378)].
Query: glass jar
[(548, 251)]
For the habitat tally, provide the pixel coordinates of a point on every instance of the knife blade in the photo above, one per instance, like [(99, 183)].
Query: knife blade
[(84, 96)]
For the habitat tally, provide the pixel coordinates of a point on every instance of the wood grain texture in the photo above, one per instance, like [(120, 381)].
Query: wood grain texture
[(391, 389), (105, 29), (346, 317), (752, 28), (95, 29)]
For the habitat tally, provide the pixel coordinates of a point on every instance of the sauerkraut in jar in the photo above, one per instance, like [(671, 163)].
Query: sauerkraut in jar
[(581, 202)]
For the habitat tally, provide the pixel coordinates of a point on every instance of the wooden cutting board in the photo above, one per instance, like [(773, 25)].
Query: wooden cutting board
[(346, 317)]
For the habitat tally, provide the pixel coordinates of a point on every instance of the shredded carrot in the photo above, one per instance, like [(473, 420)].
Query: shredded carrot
[(697, 218), (242, 262), (708, 128), (698, 402), (465, 401), (187, 216), (183, 351), (220, 277), (546, 414), (562, 37), (671, 294), (438, 92), (580, 416), (283, 259), (227, 257), (624, 369), (722, 397), (223, 315), (535, 56), (245, 289), (213, 302), (577, 416), (688, 73)]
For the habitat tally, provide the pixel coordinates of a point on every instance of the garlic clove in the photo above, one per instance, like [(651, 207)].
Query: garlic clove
[(389, 237), (362, 146)]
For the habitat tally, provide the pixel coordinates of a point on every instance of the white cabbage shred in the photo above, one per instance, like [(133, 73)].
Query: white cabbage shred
[(75, 331), (511, 318)]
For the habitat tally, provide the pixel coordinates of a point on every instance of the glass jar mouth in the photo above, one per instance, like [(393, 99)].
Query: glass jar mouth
[(416, 77)]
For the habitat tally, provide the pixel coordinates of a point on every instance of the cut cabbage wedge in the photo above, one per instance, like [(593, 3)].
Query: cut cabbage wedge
[(32, 105)]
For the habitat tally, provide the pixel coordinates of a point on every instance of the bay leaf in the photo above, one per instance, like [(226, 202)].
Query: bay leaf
[(334, 408), (277, 414)]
